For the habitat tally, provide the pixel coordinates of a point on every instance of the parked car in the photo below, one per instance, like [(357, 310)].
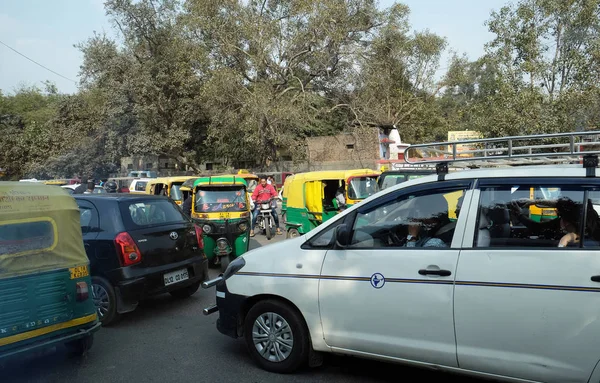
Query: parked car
[(139, 246), (44, 272), (491, 293), (142, 174)]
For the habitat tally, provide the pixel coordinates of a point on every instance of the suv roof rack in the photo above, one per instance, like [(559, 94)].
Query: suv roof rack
[(540, 149)]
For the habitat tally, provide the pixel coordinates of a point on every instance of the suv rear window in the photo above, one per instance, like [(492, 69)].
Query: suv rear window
[(27, 237), (151, 212)]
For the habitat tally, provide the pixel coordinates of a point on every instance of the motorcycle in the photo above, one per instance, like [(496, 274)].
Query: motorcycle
[(265, 220)]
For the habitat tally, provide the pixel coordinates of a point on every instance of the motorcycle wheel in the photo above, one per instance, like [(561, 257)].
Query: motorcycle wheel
[(268, 228)]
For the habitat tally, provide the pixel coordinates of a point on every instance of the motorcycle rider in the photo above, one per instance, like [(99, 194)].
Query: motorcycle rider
[(263, 193), (111, 187)]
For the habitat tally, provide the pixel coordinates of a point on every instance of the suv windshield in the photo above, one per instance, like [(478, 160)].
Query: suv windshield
[(362, 187), (228, 198)]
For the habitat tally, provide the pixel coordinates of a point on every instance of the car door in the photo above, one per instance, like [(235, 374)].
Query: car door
[(524, 307), (378, 295)]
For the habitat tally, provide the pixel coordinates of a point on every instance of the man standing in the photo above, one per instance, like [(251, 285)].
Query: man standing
[(263, 193)]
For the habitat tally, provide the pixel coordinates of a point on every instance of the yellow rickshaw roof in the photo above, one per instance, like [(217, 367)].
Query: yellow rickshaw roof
[(332, 174), (170, 180), (40, 227)]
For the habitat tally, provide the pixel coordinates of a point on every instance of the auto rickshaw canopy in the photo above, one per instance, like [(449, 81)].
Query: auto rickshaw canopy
[(221, 180), (294, 188), (39, 229)]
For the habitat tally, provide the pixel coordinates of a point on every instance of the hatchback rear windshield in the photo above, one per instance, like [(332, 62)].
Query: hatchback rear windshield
[(26, 237), (149, 213), (140, 186)]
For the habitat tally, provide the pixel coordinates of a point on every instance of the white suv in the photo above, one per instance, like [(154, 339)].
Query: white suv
[(493, 273)]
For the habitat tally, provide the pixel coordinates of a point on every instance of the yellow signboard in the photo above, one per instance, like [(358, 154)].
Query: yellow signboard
[(463, 135)]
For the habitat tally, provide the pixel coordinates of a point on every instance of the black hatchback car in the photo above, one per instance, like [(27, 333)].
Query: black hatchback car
[(139, 246)]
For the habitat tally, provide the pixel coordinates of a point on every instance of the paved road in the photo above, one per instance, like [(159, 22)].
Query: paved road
[(167, 340)]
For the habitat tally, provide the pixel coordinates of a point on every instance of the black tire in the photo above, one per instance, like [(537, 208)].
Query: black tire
[(293, 233), (300, 347), (212, 262), (268, 231), (225, 262), (185, 292), (81, 346), (100, 286)]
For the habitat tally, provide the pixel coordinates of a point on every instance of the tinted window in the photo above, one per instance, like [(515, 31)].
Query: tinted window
[(151, 212), (20, 237), (325, 238), (529, 215), (417, 220)]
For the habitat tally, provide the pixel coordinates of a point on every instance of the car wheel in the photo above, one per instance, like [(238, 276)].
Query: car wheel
[(225, 262), (81, 346), (293, 233), (276, 336), (105, 300), (186, 291)]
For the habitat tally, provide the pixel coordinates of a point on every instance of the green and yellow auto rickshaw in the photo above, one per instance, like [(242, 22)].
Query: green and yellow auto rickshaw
[(221, 207), (45, 282), (309, 199)]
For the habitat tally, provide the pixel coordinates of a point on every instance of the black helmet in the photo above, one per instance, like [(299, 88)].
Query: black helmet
[(111, 187)]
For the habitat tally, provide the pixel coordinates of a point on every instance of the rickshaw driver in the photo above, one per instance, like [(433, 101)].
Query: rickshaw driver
[(263, 193)]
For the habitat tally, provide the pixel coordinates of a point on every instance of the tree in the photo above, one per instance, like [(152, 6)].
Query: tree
[(395, 84)]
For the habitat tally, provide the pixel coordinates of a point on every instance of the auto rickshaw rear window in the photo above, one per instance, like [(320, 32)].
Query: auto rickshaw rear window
[(27, 237)]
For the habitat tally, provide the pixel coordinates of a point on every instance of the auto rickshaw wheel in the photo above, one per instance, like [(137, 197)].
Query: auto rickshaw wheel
[(81, 346), (293, 233)]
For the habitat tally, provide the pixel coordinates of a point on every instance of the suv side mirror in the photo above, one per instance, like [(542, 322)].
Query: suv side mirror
[(342, 236)]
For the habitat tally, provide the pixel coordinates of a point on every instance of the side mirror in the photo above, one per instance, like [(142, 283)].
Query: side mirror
[(342, 236)]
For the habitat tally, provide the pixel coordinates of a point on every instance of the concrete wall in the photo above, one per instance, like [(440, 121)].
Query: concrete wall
[(356, 146)]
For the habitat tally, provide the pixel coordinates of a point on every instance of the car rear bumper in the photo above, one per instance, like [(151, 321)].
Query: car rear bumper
[(132, 287), (32, 346)]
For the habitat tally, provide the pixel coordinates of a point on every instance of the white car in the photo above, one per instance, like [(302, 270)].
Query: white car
[(492, 293), (71, 188)]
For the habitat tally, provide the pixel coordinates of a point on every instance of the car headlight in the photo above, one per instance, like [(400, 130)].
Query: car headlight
[(243, 226), (207, 229), (222, 244)]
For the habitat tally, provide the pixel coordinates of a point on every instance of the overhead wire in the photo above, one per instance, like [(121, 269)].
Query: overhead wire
[(37, 63)]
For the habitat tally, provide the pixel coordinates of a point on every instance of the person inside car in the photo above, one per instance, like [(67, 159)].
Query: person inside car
[(565, 225), (427, 217)]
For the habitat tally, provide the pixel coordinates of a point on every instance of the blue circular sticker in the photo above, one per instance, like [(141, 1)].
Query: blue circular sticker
[(377, 280)]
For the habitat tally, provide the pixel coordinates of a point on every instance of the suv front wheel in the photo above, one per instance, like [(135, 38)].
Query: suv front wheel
[(276, 336)]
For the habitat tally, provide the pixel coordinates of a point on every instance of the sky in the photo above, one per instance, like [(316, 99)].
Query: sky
[(47, 30)]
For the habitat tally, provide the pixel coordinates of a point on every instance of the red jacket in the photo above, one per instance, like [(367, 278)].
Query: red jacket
[(264, 193)]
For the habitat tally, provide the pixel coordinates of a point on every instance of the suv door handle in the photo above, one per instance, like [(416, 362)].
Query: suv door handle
[(595, 278), (441, 273)]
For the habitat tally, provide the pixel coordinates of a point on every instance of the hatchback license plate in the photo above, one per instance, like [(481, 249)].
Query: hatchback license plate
[(176, 277)]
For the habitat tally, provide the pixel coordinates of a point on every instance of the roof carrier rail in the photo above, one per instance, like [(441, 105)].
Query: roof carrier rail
[(540, 149)]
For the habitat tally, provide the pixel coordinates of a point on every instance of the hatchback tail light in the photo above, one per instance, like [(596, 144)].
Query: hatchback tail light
[(199, 236), (128, 250), (82, 291)]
